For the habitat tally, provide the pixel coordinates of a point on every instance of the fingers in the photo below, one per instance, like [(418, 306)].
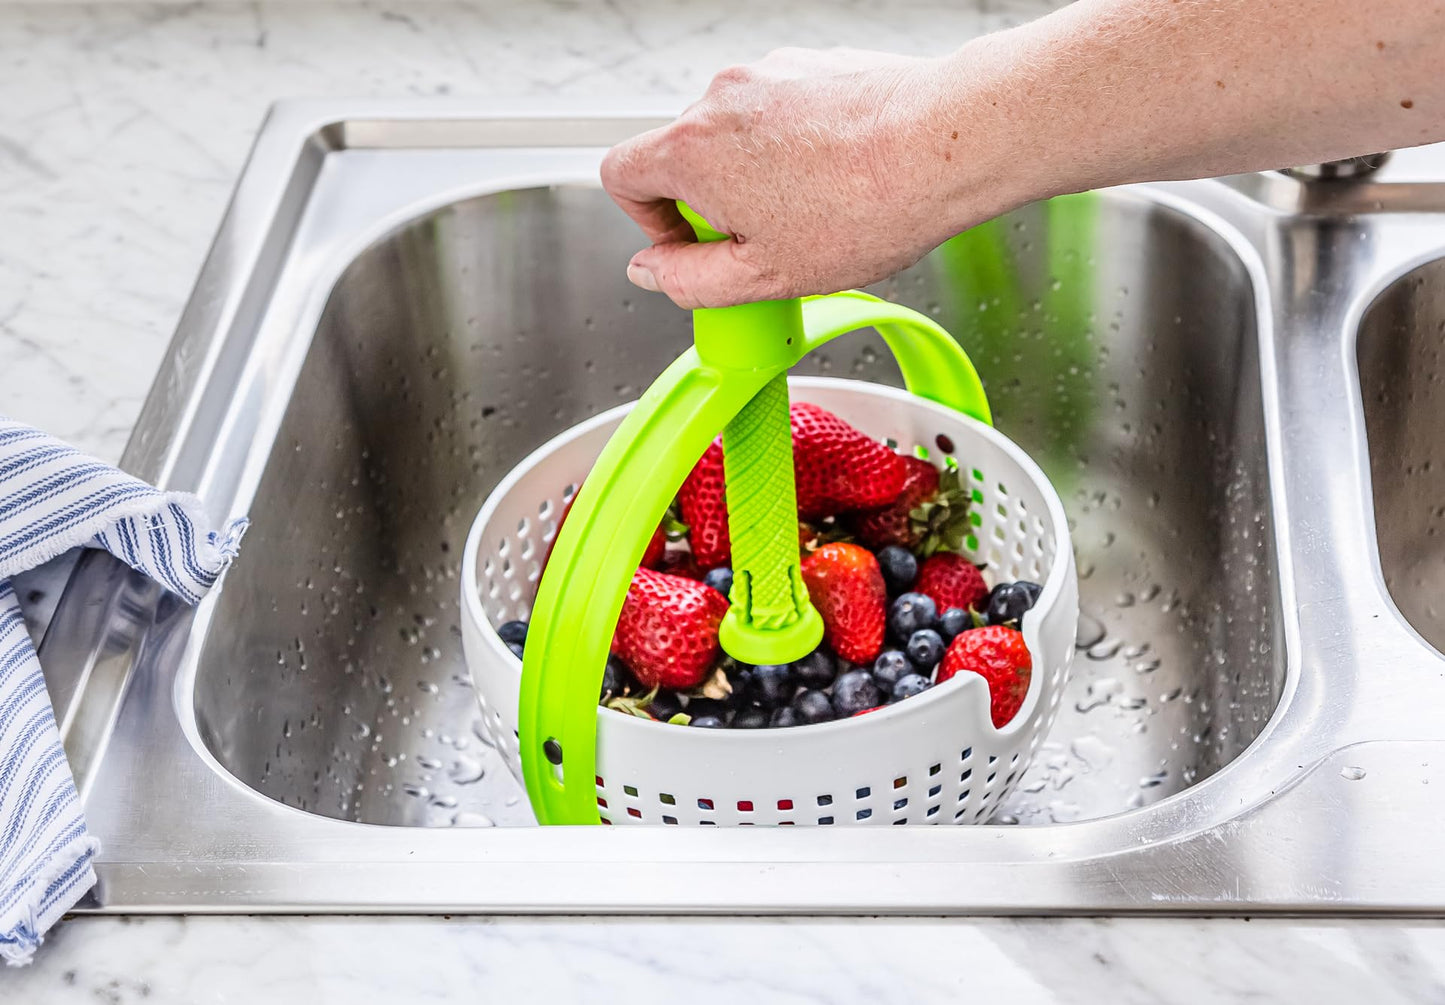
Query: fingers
[(659, 220), (634, 173), (699, 275)]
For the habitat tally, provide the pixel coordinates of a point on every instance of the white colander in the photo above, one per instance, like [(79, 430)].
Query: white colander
[(932, 758)]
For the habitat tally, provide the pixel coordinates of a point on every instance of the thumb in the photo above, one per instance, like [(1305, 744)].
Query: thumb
[(696, 275)]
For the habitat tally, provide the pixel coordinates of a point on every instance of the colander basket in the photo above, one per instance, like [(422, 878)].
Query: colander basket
[(932, 758)]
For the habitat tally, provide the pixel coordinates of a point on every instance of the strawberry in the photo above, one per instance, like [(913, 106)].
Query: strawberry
[(704, 504), (667, 632), (847, 588), (837, 468), (952, 581), (891, 524), (655, 547), (930, 514), (999, 656)]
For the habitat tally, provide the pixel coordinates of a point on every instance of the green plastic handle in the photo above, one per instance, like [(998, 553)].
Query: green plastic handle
[(771, 618), (738, 352)]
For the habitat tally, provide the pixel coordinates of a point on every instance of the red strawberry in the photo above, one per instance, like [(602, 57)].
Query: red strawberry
[(667, 632), (929, 515), (703, 499), (847, 589), (952, 581), (650, 557), (837, 468), (891, 524), (999, 656), (655, 548)]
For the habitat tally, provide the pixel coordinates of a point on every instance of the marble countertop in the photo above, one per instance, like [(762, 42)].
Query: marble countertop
[(172, 961), (122, 130)]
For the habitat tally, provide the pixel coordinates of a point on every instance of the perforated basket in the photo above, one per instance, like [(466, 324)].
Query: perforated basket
[(933, 758)]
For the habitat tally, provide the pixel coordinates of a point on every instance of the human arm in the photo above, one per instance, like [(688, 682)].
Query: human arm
[(834, 169)]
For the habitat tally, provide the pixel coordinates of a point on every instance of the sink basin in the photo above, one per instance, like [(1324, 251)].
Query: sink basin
[(1402, 337), (332, 676), (407, 298)]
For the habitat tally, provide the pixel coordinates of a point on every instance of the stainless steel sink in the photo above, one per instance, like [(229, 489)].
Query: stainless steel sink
[(405, 299), (1402, 348)]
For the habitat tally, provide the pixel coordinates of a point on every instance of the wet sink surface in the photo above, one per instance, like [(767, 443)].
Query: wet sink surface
[(406, 304), (1401, 342)]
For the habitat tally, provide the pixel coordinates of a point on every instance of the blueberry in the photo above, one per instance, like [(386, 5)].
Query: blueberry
[(925, 649), (773, 684), (516, 648), (720, 579), (909, 685), (708, 722), (664, 706), (855, 691), (899, 567), (890, 665), (616, 679), (909, 613), (812, 706), (740, 679), (817, 669), (514, 631), (954, 621), (1007, 602), (751, 717), (706, 707), (783, 717)]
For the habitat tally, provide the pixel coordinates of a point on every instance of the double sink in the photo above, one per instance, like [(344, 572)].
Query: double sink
[(1235, 386)]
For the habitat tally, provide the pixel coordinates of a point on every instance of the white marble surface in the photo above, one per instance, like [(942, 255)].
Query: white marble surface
[(122, 129), (167, 961)]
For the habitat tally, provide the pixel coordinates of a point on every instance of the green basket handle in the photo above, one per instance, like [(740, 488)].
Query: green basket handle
[(733, 379)]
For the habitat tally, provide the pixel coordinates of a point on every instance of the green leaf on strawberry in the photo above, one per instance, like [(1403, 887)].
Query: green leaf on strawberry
[(942, 523), (672, 524), (633, 704)]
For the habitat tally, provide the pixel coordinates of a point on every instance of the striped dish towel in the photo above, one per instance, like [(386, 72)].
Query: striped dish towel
[(54, 498)]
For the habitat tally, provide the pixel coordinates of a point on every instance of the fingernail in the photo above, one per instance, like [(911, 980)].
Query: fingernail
[(640, 276)]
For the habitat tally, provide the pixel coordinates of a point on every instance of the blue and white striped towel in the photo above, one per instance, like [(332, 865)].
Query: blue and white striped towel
[(54, 498)]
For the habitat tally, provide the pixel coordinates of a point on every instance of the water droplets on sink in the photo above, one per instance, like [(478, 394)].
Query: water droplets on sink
[(1104, 649), (1154, 780), (1092, 752), (466, 770), (468, 818), (1099, 692), (1090, 631)]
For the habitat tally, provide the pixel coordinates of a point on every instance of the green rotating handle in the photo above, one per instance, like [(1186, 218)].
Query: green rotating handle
[(733, 379), (771, 618)]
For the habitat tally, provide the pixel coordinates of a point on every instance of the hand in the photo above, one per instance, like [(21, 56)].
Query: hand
[(829, 169)]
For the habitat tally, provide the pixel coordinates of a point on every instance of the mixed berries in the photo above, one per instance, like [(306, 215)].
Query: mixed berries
[(903, 609)]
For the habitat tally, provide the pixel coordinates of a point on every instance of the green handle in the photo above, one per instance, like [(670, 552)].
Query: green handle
[(771, 618), (732, 379)]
